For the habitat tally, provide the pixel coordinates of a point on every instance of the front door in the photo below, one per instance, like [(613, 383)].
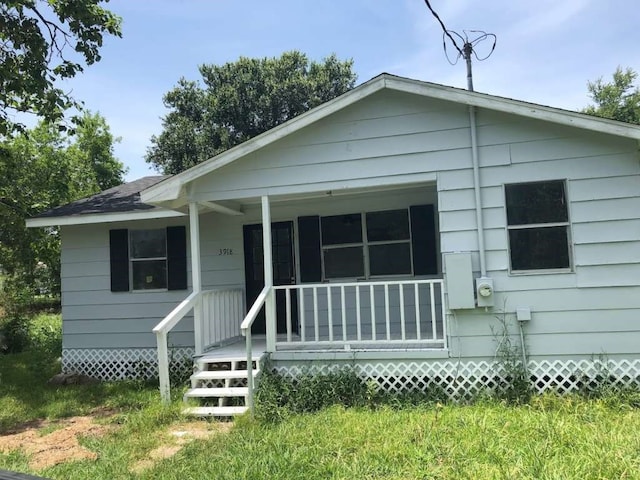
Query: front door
[(283, 272)]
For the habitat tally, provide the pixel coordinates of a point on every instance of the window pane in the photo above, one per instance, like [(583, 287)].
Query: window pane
[(148, 243), (537, 202), (343, 262), (539, 248), (149, 274), (390, 225), (340, 229), (391, 259)]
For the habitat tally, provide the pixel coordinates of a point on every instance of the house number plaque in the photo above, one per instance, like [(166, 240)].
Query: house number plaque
[(225, 251)]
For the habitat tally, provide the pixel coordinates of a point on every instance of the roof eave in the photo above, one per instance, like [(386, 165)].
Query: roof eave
[(517, 107), (101, 218)]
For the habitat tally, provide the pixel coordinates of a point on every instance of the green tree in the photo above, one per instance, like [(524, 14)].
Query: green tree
[(240, 100), (618, 99), (41, 169), (41, 42)]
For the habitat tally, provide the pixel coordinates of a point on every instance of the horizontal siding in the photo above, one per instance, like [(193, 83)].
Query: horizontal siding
[(589, 311), (124, 340), (95, 317), (609, 253), (606, 232), (574, 343), (121, 325), (589, 189), (396, 137), (551, 323), (604, 210), (344, 166)]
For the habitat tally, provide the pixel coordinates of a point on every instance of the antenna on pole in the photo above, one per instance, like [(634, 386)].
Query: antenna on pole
[(468, 45)]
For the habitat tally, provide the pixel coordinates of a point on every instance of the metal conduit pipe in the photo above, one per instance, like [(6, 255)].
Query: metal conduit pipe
[(476, 189)]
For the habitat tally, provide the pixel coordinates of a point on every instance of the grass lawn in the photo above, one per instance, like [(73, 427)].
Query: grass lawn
[(563, 438)]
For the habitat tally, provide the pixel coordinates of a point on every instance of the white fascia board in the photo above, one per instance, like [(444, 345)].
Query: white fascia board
[(100, 218), (171, 188), (516, 107)]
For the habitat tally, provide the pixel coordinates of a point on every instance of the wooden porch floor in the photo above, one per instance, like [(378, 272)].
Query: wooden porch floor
[(236, 349)]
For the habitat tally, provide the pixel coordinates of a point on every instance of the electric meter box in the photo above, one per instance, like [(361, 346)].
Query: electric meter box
[(484, 292), (459, 275)]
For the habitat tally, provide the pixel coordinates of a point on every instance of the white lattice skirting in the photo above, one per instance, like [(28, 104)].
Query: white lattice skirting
[(123, 363), (468, 379)]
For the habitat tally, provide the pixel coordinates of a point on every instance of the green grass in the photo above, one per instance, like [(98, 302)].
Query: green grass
[(25, 394), (547, 438)]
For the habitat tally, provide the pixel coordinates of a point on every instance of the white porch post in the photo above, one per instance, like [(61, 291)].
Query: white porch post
[(270, 304), (194, 234)]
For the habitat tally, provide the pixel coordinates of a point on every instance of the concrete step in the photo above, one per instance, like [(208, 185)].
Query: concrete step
[(217, 392), (215, 411), (221, 374)]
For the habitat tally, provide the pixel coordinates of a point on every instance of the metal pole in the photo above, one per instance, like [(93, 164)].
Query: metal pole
[(467, 49)]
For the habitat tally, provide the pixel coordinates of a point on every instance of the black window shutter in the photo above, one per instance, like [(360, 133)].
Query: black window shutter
[(176, 258), (119, 259), (423, 240), (309, 243)]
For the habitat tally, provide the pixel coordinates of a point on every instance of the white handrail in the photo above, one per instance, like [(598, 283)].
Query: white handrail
[(254, 310), (161, 331), (245, 328), (177, 313)]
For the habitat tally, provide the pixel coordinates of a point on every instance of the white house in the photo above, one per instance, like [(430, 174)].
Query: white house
[(407, 220)]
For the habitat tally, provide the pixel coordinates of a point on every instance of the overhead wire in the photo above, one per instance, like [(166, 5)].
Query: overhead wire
[(444, 29)]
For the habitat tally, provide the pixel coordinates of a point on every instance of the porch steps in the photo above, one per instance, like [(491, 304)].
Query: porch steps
[(219, 384), (214, 411), (217, 392)]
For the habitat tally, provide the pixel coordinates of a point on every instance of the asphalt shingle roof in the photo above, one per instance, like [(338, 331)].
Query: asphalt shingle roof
[(123, 198)]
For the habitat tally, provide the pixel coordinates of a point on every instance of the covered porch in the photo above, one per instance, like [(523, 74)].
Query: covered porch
[(380, 290)]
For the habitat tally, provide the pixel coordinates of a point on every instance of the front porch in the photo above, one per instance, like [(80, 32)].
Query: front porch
[(366, 281)]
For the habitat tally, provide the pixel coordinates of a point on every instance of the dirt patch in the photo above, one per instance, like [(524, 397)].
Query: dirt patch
[(176, 438), (57, 446)]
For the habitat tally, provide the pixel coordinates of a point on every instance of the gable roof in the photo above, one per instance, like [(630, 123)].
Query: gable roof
[(172, 191), (105, 206)]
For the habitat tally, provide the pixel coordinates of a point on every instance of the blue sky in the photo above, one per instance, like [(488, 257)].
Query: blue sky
[(547, 50)]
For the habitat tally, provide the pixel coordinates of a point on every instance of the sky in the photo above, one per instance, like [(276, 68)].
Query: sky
[(546, 51)]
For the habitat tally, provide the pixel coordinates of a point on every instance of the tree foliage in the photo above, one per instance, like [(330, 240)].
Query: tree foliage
[(41, 42), (618, 99), (240, 100), (41, 169)]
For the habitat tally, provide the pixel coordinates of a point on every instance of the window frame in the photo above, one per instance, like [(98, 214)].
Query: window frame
[(133, 260), (365, 244), (530, 226)]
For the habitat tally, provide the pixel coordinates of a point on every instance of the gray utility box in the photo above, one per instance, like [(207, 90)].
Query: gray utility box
[(459, 280)]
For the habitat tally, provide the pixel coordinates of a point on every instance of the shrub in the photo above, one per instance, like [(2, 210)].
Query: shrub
[(278, 396)]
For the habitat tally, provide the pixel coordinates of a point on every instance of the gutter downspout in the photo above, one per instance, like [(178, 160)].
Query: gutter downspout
[(476, 189), (467, 51)]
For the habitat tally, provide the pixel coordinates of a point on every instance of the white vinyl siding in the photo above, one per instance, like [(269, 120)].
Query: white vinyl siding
[(392, 139)]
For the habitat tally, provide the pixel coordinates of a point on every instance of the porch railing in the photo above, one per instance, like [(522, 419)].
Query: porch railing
[(222, 312), (386, 314)]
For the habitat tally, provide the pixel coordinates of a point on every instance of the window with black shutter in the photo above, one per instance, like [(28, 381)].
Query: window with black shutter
[(150, 259), (400, 242)]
